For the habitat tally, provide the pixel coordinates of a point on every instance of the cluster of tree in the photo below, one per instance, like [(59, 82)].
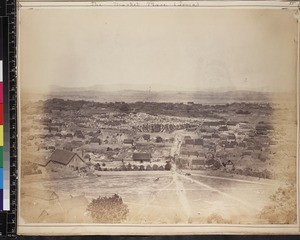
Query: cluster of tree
[(124, 107), (215, 165), (108, 209), (132, 167), (210, 163), (242, 112), (283, 206), (215, 218), (253, 173), (154, 108)]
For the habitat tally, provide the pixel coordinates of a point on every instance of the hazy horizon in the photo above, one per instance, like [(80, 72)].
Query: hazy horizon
[(143, 88), (167, 49)]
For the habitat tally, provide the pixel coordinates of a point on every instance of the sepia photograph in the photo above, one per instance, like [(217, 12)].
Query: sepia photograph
[(158, 116)]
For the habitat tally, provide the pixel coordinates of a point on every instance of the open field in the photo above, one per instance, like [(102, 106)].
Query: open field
[(170, 197)]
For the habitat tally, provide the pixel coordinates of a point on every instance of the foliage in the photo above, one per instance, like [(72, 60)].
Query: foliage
[(155, 167), (216, 165), (129, 167), (124, 107), (265, 173), (142, 168), (168, 166), (108, 209), (98, 167), (160, 168), (216, 218), (148, 168), (283, 206), (135, 168), (123, 167)]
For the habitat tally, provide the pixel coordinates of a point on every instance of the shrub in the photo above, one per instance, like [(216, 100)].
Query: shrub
[(216, 165), (168, 166), (210, 162), (142, 168), (155, 167), (216, 218), (135, 168), (266, 174), (248, 171), (123, 167), (238, 171), (148, 168), (124, 107), (108, 209), (97, 166), (160, 168), (282, 208), (129, 167)]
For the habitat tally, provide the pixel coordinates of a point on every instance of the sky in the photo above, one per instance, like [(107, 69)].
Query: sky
[(179, 49)]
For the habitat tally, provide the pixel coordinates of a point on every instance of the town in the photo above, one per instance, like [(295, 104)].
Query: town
[(86, 136)]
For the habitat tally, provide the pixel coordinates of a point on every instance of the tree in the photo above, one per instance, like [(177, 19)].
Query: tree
[(148, 168), (155, 167), (168, 166), (135, 168), (142, 168), (179, 165), (124, 107), (129, 167), (123, 167), (97, 167), (217, 165), (160, 168), (108, 209), (282, 208)]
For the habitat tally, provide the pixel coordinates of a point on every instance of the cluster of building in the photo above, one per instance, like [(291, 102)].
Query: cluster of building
[(83, 135), (226, 143)]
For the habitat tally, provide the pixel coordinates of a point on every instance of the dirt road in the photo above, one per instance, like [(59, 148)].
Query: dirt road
[(178, 139)]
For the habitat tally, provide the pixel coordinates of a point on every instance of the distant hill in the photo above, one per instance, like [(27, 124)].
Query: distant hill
[(101, 93), (164, 96)]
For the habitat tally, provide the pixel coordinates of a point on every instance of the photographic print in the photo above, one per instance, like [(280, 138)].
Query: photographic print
[(157, 117)]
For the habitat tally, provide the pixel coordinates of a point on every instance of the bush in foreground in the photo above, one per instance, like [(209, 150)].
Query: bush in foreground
[(108, 209), (217, 219), (282, 208)]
